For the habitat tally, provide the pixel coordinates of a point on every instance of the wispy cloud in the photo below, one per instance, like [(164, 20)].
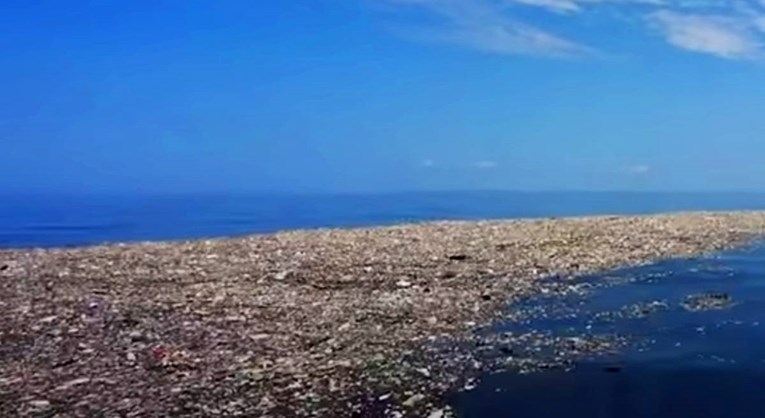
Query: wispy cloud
[(717, 35), (482, 25), (730, 29), (573, 6), (559, 6)]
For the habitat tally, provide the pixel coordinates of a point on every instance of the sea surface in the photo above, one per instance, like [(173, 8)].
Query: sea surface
[(678, 363), (56, 220)]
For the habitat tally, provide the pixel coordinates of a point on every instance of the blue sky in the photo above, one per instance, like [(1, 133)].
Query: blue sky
[(382, 95)]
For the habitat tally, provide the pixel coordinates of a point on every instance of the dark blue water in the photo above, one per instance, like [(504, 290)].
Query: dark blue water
[(679, 363), (58, 220)]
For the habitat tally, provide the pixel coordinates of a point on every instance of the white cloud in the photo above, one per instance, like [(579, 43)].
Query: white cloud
[(573, 6), (485, 165), (716, 35), (731, 29), (481, 25), (560, 6)]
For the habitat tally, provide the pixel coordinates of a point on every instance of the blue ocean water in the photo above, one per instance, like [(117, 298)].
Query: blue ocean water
[(68, 220), (680, 364)]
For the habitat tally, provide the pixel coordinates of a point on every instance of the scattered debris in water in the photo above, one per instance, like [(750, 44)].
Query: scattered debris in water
[(708, 301), (458, 257), (643, 309), (680, 339), (362, 322)]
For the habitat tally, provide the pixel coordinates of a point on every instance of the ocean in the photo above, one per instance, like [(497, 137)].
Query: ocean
[(678, 363), (58, 220)]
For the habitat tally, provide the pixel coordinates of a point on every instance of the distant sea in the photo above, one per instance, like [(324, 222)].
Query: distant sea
[(59, 220)]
